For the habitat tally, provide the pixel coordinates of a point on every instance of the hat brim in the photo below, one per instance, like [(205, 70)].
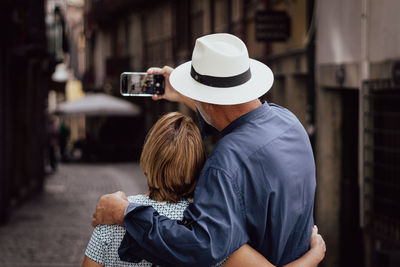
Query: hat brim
[(260, 82)]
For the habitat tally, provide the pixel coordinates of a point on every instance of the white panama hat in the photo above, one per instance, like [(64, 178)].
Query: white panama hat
[(221, 72)]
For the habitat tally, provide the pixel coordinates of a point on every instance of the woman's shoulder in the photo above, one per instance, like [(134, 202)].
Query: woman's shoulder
[(171, 210), (105, 232), (140, 199)]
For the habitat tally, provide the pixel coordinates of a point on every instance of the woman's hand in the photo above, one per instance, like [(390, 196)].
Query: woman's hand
[(317, 245), (316, 253)]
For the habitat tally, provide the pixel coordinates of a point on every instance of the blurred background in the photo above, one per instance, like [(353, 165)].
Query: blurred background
[(64, 126)]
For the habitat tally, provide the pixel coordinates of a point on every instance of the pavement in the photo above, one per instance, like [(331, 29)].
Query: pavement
[(53, 229)]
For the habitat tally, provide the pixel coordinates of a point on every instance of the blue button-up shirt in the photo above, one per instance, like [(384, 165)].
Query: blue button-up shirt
[(256, 187)]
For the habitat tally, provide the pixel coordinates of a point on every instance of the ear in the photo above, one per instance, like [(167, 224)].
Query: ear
[(209, 108)]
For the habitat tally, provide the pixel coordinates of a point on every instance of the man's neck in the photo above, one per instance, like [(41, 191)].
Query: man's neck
[(226, 114)]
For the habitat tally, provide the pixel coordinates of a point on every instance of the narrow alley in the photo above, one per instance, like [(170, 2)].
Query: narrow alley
[(52, 229)]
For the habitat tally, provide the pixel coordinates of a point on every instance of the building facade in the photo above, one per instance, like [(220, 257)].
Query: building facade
[(357, 136), (134, 35), (25, 71), (333, 67)]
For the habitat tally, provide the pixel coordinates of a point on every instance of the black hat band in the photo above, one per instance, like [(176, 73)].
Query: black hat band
[(230, 81)]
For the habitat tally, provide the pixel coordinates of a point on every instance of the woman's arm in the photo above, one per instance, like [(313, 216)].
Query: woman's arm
[(247, 256), (96, 248), (88, 262)]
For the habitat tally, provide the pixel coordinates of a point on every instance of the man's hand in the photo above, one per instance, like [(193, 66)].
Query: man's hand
[(170, 93), (110, 209)]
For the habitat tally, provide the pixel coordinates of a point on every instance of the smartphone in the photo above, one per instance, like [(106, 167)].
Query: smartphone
[(141, 84)]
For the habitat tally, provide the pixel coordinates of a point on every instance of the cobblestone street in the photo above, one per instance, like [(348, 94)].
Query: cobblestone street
[(53, 229)]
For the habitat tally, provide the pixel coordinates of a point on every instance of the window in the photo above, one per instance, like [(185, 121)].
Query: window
[(197, 20), (183, 24), (381, 148)]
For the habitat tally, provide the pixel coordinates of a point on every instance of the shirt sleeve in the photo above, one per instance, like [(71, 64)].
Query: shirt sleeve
[(96, 246), (212, 228)]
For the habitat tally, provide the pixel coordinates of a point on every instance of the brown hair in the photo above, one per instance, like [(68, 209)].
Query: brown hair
[(172, 157)]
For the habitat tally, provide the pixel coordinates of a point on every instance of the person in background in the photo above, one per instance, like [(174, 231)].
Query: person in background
[(172, 158), (52, 141), (63, 136)]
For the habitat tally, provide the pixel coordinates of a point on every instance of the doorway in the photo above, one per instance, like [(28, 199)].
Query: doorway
[(351, 244)]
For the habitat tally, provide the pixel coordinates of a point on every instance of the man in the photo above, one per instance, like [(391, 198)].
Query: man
[(258, 183)]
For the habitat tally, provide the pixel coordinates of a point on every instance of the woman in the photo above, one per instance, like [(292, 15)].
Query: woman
[(172, 158)]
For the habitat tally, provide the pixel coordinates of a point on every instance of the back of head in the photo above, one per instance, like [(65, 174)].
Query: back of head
[(172, 157)]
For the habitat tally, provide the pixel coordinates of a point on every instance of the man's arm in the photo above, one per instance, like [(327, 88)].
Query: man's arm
[(249, 257), (212, 228), (170, 93)]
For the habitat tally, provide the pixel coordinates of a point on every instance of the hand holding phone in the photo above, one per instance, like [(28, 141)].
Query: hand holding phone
[(141, 84), (162, 90), (170, 93)]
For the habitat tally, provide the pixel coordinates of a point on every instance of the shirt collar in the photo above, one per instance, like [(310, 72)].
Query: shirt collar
[(245, 118)]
